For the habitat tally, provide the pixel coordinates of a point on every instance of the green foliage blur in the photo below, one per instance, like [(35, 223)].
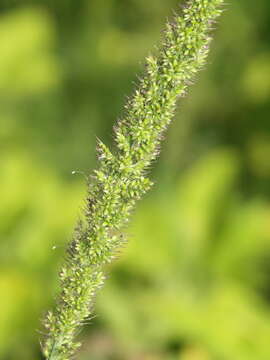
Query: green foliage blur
[(193, 282)]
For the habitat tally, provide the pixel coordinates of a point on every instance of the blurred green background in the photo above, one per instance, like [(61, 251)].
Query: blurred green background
[(194, 281)]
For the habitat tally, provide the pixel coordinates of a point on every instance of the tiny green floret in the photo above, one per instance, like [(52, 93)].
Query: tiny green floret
[(121, 178)]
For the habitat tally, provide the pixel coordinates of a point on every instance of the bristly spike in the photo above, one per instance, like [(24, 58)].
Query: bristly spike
[(121, 177)]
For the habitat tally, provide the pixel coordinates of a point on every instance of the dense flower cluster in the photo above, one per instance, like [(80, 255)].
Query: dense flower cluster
[(121, 179)]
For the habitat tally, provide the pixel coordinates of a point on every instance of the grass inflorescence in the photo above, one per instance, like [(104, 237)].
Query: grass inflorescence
[(121, 179)]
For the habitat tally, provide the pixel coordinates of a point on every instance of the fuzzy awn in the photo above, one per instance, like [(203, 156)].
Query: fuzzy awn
[(121, 178)]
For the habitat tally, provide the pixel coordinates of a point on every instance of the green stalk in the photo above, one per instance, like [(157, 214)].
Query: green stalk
[(121, 178)]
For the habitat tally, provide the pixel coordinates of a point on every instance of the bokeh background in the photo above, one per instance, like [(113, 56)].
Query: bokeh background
[(194, 281)]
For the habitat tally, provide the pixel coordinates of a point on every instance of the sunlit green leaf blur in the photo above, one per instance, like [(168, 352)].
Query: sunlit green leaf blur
[(193, 282)]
